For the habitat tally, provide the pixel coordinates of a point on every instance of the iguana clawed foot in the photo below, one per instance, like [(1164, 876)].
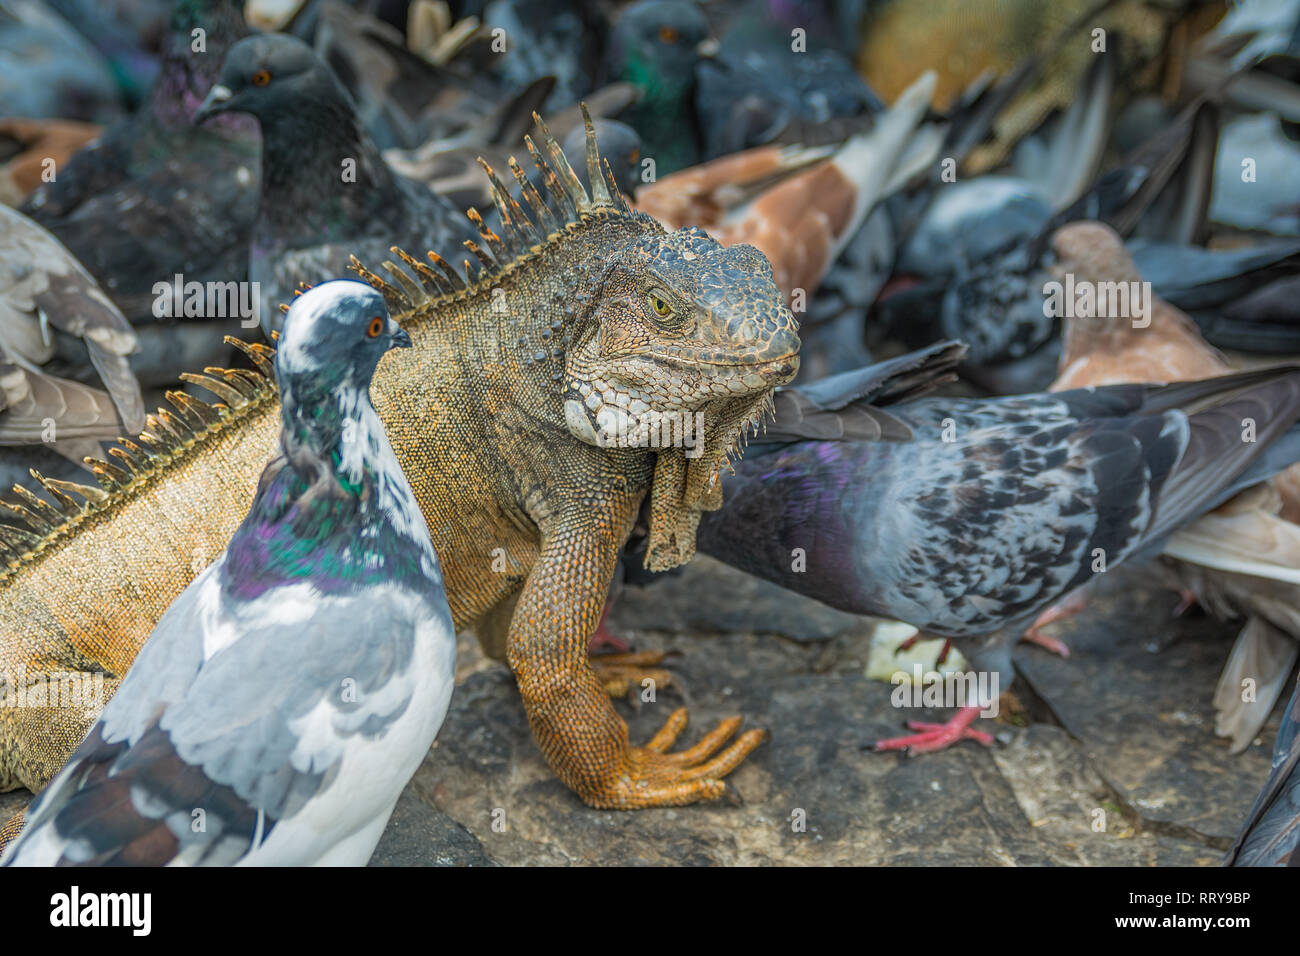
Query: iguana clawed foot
[(653, 778), (620, 672)]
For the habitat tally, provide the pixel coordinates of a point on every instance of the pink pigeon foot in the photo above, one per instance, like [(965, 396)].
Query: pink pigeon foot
[(1186, 603), (1061, 611), (938, 736), (603, 638)]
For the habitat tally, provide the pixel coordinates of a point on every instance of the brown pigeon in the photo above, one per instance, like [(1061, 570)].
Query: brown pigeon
[(1244, 557), (42, 147)]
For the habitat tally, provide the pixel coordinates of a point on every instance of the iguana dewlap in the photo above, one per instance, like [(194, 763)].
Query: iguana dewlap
[(529, 417)]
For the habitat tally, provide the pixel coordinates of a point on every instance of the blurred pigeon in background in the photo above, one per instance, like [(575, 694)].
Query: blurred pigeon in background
[(327, 194)]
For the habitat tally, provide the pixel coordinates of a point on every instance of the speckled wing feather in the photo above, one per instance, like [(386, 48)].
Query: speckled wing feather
[(848, 406)]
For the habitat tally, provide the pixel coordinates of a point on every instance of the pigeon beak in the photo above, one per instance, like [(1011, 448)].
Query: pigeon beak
[(401, 339), (214, 103), (707, 49)]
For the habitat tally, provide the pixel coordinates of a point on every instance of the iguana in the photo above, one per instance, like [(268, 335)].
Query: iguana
[(529, 417)]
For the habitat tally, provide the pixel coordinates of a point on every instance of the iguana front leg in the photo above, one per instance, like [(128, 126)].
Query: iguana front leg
[(576, 727)]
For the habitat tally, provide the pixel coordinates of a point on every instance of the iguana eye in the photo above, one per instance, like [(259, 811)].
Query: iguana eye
[(261, 77), (660, 308), (376, 326)]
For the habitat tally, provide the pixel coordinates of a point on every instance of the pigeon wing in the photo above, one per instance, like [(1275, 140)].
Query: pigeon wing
[(42, 283)]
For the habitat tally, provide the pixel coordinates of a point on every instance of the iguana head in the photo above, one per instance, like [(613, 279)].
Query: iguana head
[(681, 325)]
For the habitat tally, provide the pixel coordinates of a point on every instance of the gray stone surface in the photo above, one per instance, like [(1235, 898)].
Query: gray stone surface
[(419, 834), (1136, 695), (710, 596)]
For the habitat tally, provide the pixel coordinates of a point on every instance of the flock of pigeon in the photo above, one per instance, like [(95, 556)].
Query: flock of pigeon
[(916, 174)]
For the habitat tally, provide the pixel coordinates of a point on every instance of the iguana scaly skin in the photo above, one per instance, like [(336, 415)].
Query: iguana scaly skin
[(586, 320)]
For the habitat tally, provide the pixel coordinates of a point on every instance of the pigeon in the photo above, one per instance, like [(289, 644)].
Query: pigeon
[(545, 39), (777, 77), (327, 193), (971, 253), (1243, 559), (48, 70), (656, 46), (286, 697), (50, 308), (967, 517), (450, 167), (155, 198), (993, 300), (1271, 833)]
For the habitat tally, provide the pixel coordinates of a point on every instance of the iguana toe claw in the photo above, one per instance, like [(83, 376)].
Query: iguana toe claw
[(654, 778), (669, 732), (707, 745)]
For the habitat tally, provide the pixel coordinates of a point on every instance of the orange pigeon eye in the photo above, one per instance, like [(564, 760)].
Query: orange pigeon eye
[(668, 34), (376, 326), (261, 78)]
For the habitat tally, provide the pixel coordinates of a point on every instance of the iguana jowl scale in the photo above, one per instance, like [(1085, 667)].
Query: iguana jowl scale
[(576, 319)]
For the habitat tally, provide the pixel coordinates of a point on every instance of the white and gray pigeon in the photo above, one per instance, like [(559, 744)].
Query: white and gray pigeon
[(967, 517), (327, 193), (287, 696)]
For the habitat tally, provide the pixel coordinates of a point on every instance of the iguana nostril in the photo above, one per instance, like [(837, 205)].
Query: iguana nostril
[(785, 342)]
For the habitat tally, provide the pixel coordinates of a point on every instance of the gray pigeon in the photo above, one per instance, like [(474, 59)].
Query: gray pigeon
[(327, 193), (967, 517), (287, 696), (47, 296)]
